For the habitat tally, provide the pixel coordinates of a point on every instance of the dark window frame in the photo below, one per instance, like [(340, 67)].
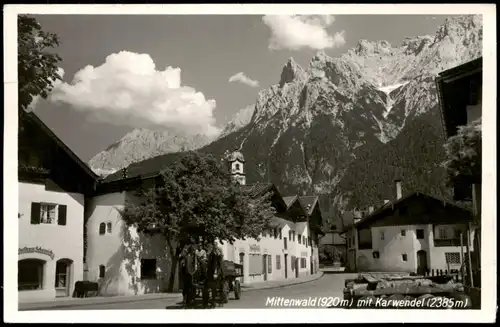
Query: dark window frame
[(148, 269)]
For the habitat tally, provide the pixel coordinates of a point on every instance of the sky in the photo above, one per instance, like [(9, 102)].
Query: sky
[(189, 73)]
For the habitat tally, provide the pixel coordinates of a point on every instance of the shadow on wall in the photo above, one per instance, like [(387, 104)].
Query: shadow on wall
[(123, 270)]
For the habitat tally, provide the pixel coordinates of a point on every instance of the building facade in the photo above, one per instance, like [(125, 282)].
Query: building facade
[(51, 213), (71, 229), (119, 258), (416, 233), (290, 248), (460, 98)]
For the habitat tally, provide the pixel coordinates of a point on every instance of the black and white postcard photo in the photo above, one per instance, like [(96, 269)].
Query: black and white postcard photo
[(265, 163)]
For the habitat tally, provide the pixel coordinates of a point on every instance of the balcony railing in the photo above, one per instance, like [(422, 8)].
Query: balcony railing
[(447, 242)]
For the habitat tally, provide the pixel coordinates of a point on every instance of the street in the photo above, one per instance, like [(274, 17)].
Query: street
[(325, 290)]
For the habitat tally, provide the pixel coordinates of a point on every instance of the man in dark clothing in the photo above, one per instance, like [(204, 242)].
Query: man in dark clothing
[(188, 267), (214, 266)]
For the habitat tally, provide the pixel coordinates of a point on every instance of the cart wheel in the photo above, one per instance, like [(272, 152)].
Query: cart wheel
[(237, 289), (225, 291)]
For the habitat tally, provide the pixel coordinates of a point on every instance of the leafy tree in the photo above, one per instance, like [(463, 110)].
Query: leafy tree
[(37, 66), (196, 200), (463, 154)]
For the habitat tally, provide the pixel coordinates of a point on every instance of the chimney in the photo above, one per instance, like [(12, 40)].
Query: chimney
[(399, 191)]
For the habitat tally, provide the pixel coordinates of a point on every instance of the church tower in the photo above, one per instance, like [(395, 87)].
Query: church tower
[(236, 163)]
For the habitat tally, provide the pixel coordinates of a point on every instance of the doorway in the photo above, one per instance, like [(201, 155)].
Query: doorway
[(286, 266), (63, 277), (242, 263), (422, 266), (296, 267), (264, 267), (312, 266)]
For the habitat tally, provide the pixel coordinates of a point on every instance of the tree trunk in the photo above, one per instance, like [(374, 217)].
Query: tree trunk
[(173, 273), (174, 254)]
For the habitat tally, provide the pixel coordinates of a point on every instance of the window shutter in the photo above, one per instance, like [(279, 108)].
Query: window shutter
[(61, 219), (35, 213)]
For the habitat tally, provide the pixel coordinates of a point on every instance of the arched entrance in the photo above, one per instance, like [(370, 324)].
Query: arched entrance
[(30, 275), (63, 277)]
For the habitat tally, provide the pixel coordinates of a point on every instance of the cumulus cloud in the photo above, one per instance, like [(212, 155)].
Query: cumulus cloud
[(302, 31), (128, 89), (242, 78)]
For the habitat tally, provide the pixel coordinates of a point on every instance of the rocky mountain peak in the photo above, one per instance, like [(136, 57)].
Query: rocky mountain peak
[(291, 72), (458, 27), (141, 144)]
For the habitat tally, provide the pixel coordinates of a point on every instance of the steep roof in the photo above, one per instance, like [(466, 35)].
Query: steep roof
[(309, 202), (289, 200), (388, 209), (31, 116)]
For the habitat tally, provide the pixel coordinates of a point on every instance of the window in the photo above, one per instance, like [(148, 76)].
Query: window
[(102, 228), (108, 228), (48, 213), (293, 235), (285, 243), (242, 258), (281, 234), (303, 262), (255, 264), (310, 241), (405, 257), (237, 167), (299, 237), (457, 233), (333, 227), (442, 233), (290, 235), (420, 234), (148, 268), (102, 271), (30, 274), (278, 262), (269, 264), (305, 241), (376, 254), (452, 258), (382, 235), (403, 232), (275, 233)]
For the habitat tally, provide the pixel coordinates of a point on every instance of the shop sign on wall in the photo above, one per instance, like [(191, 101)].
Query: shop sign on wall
[(36, 249)]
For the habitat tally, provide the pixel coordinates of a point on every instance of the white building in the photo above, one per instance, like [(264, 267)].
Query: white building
[(290, 248), (51, 213), (416, 233), (70, 227)]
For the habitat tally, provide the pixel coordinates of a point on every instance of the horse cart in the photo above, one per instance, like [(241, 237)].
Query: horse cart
[(224, 283)]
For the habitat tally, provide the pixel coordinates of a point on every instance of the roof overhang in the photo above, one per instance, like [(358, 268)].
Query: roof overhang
[(385, 210)]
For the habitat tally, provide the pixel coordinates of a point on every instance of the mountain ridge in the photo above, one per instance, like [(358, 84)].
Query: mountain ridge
[(316, 129)]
